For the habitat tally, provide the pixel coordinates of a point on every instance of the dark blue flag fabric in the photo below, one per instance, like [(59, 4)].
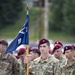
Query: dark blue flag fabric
[(21, 38)]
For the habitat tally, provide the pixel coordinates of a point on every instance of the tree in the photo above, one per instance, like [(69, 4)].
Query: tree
[(56, 15), (9, 11), (69, 16)]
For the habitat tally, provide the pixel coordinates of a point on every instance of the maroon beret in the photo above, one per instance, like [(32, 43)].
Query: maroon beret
[(21, 51), (42, 41), (33, 48), (57, 46), (4, 42), (69, 47), (58, 42), (73, 47)]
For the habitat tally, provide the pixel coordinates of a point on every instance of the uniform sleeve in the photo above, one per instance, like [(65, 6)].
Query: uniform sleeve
[(57, 70), (15, 66), (32, 67)]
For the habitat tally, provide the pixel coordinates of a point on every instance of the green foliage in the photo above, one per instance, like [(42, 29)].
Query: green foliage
[(62, 16), (9, 11), (12, 30), (56, 15), (69, 16)]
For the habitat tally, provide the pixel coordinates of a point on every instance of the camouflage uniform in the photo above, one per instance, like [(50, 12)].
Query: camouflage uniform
[(49, 66), (69, 68), (22, 67), (9, 65), (62, 61)]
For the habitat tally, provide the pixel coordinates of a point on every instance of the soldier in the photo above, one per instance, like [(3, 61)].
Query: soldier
[(59, 43), (57, 53), (69, 68), (3, 45), (8, 63), (46, 64), (34, 52), (21, 54)]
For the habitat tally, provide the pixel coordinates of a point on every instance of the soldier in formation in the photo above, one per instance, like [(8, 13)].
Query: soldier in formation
[(57, 53), (69, 68), (21, 54), (8, 63), (46, 64), (34, 52)]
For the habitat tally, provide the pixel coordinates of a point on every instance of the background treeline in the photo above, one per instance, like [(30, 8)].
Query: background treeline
[(62, 16), (9, 12)]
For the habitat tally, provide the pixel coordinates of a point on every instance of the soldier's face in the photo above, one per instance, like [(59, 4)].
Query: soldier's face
[(2, 48), (58, 53), (69, 54), (33, 55), (22, 57), (44, 48)]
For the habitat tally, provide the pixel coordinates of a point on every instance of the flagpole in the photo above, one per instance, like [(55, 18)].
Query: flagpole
[(27, 65), (27, 47)]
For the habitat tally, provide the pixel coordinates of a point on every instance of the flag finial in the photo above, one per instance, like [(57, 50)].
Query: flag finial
[(27, 10)]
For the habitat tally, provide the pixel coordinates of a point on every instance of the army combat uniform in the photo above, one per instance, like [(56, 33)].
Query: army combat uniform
[(62, 61), (22, 67), (49, 66), (9, 65), (69, 68)]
